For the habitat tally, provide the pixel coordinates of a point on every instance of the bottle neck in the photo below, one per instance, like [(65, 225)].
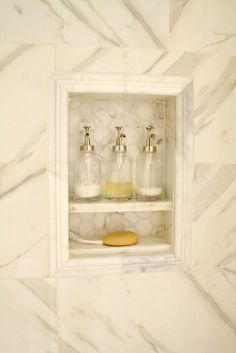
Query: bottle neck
[(87, 152), (119, 152), (149, 153), (149, 156)]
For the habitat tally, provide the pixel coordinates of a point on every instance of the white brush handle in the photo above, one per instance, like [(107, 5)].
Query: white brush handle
[(85, 241)]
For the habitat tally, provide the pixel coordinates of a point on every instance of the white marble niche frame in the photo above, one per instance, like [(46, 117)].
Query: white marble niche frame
[(177, 88)]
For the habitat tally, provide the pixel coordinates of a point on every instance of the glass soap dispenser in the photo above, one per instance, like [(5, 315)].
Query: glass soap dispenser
[(119, 171), (87, 172), (149, 171)]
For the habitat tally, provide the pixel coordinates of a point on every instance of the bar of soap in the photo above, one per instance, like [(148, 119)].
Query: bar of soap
[(120, 238)]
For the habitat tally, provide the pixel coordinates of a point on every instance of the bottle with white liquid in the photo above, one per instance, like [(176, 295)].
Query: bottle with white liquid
[(149, 171), (87, 172)]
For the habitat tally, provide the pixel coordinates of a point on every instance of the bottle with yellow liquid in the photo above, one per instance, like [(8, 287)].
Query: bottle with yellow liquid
[(118, 184)]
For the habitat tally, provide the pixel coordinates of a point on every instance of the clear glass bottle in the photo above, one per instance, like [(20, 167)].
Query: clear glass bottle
[(87, 172), (118, 184), (149, 171)]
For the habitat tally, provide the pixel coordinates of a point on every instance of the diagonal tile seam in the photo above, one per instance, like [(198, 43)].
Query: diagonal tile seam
[(10, 262), (39, 289), (227, 176), (214, 305), (50, 304)]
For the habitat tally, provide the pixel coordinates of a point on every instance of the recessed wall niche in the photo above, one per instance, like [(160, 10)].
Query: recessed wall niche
[(134, 102)]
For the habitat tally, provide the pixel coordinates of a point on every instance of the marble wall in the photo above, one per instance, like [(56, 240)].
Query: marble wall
[(166, 312)]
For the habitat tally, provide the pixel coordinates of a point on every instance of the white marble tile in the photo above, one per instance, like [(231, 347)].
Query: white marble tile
[(24, 102), (203, 26), (24, 220), (126, 60), (27, 316), (118, 23), (29, 22), (213, 238), (161, 312), (215, 109), (65, 347), (104, 59), (176, 8)]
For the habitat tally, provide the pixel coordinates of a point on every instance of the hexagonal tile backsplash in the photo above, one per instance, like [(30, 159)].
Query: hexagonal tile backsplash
[(89, 225)]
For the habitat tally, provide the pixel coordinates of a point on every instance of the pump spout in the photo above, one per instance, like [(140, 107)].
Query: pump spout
[(119, 146), (87, 143), (149, 147)]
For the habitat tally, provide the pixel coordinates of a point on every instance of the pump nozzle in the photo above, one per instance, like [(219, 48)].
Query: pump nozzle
[(149, 147), (119, 146), (86, 147)]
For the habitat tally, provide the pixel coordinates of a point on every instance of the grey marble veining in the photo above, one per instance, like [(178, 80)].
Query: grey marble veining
[(216, 29), (221, 90), (65, 347), (123, 311), (24, 229), (227, 266), (150, 312), (43, 289), (96, 54), (122, 23), (24, 121), (24, 179), (13, 55), (212, 190), (186, 65), (216, 307), (214, 229), (155, 345), (176, 8), (29, 322)]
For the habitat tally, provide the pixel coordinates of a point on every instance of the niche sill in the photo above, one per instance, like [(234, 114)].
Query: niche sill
[(103, 205), (147, 245)]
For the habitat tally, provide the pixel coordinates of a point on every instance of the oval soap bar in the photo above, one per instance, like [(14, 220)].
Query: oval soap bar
[(120, 238)]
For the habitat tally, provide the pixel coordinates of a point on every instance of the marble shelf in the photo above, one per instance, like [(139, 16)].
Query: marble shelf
[(103, 206), (146, 244)]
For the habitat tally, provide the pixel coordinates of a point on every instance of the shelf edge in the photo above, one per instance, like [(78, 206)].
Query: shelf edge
[(97, 207)]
